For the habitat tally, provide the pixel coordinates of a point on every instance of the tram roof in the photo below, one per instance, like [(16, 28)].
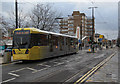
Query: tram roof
[(35, 30)]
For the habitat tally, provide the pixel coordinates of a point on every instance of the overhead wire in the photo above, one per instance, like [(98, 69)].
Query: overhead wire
[(109, 24)]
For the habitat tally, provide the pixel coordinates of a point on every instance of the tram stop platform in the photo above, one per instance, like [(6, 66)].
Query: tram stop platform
[(107, 74)]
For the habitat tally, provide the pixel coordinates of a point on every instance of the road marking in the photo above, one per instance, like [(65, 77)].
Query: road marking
[(89, 73), (19, 69), (8, 80), (39, 70), (67, 61), (31, 69), (14, 74), (59, 64), (44, 65)]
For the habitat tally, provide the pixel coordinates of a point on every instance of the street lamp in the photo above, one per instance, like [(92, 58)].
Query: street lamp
[(16, 13), (92, 26)]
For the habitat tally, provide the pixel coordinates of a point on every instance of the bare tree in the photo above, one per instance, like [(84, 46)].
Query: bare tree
[(22, 18), (43, 17), (3, 24)]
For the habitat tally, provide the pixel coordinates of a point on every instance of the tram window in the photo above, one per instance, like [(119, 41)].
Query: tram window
[(71, 41), (66, 41), (43, 40), (34, 40), (39, 40), (54, 40), (62, 40), (76, 41)]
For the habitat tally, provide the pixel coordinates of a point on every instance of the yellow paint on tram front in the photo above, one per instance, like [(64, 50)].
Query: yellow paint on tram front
[(20, 54), (35, 53)]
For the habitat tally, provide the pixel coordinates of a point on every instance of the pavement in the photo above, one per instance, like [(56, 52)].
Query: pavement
[(107, 73)]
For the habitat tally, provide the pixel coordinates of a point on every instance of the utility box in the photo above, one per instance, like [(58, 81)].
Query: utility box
[(7, 56)]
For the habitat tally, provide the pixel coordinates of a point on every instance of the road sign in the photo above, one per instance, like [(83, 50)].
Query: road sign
[(100, 39), (79, 41), (100, 36)]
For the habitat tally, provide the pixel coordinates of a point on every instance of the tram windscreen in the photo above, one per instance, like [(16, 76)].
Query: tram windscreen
[(21, 39)]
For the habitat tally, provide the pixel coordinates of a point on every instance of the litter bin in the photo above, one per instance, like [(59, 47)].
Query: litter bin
[(7, 56)]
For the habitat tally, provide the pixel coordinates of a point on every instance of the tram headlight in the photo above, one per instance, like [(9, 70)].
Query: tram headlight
[(27, 51)]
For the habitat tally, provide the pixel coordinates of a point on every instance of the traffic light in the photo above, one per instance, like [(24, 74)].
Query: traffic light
[(90, 40)]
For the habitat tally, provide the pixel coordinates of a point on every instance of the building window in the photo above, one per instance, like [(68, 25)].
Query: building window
[(70, 21), (70, 28), (70, 32), (76, 15), (65, 27), (70, 24), (64, 30)]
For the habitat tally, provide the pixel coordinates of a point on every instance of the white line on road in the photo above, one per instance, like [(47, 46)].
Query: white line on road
[(39, 70), (14, 74), (9, 80), (44, 65), (31, 69), (19, 69), (59, 64), (67, 61)]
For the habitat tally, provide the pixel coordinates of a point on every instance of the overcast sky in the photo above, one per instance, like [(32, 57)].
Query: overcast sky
[(106, 14)]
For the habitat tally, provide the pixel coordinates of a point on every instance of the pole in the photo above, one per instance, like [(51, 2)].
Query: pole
[(16, 13), (0, 34), (81, 36), (92, 24), (92, 27)]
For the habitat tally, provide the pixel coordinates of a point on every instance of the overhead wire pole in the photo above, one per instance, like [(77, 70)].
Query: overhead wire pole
[(92, 26), (16, 13)]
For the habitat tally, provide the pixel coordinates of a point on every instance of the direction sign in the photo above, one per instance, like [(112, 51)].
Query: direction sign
[(100, 39), (79, 41), (100, 36)]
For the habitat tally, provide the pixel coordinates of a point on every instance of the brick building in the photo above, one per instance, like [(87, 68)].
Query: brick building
[(69, 24), (89, 27)]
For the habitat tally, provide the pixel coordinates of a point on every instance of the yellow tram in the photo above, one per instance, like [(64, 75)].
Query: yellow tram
[(35, 44)]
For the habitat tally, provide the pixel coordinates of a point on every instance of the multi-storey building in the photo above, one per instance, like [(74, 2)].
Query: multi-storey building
[(90, 27), (83, 24), (64, 25), (68, 25)]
